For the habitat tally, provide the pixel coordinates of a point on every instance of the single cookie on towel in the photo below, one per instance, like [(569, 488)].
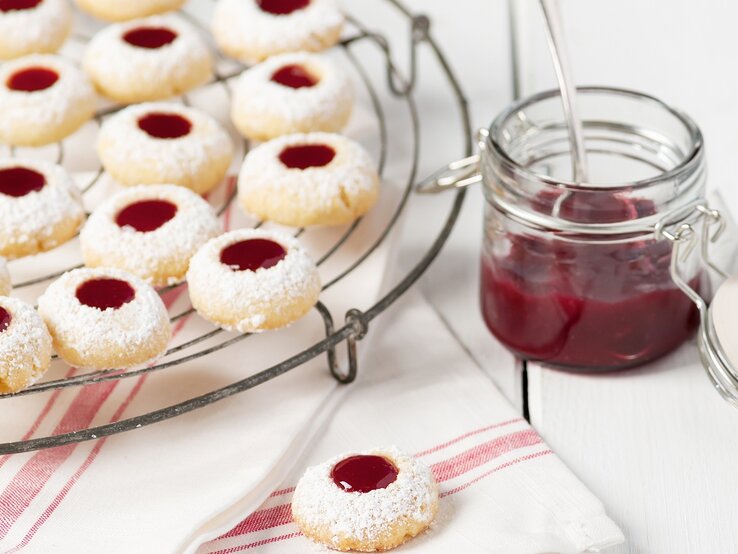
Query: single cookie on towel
[(6, 285), (147, 59), (165, 143), (123, 10), (151, 231), (43, 99), (291, 93), (253, 280), (40, 207), (105, 318), (33, 26), (308, 179), (368, 501), (254, 30), (25, 345)]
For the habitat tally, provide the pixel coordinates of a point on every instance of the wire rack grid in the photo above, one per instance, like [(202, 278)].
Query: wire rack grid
[(356, 324)]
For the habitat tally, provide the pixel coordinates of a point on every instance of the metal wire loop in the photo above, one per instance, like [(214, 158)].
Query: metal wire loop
[(712, 230)]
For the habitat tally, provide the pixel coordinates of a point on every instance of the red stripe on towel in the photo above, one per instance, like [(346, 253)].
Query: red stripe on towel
[(41, 416), (443, 471)]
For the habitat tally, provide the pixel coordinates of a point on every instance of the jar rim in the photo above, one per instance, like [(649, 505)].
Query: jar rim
[(691, 159)]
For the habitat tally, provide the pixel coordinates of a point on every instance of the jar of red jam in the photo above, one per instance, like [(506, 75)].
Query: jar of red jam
[(577, 275)]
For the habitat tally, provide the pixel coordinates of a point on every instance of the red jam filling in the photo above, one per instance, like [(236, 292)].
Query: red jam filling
[(32, 79), (146, 215), (294, 76), (19, 181), (282, 7), (5, 319), (10, 5), (303, 156), (364, 473), (105, 293), (150, 37), (252, 254), (165, 125), (585, 305)]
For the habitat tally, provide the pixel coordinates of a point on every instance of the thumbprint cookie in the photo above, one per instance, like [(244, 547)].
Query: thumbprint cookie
[(43, 99), (253, 30), (150, 231), (291, 93), (105, 318), (369, 501), (40, 207), (253, 280), (308, 179), (25, 345), (123, 10), (165, 143), (147, 59), (33, 26)]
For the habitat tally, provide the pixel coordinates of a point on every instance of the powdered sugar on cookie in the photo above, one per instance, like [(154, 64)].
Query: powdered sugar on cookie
[(252, 301), (264, 109), (335, 193), (160, 256), (25, 346), (374, 520), (245, 31), (40, 29), (89, 337)]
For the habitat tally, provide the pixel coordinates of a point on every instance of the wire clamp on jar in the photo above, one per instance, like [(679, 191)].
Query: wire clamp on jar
[(719, 364)]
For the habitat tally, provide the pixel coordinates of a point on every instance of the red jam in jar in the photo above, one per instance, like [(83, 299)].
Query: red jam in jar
[(583, 304), (578, 275)]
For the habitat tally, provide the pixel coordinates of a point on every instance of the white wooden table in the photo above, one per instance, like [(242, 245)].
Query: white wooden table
[(656, 444)]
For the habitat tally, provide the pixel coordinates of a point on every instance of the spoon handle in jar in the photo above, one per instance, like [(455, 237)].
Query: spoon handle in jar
[(560, 57)]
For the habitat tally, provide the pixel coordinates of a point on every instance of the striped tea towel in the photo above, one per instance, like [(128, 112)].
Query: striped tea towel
[(502, 489)]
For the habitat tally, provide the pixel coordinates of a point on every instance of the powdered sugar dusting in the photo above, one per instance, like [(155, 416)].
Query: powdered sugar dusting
[(255, 92), (25, 346), (89, 331), (39, 29), (71, 97), (33, 218), (121, 142), (144, 254), (351, 172), (113, 60), (242, 27), (318, 503), (255, 294)]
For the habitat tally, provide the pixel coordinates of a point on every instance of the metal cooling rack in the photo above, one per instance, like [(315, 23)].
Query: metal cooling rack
[(356, 322)]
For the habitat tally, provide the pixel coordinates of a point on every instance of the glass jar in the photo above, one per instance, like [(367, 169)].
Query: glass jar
[(577, 275)]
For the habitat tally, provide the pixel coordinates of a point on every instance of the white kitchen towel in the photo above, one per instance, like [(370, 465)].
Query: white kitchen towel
[(502, 489)]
